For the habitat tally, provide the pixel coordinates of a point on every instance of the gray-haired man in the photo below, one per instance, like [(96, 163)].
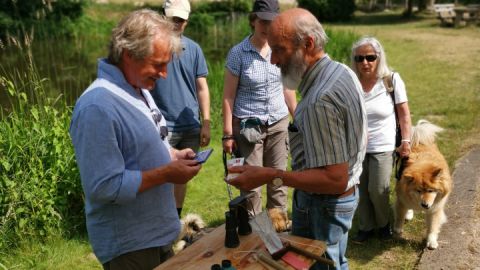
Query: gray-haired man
[(126, 165)]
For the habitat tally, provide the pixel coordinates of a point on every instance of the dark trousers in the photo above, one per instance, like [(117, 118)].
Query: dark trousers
[(144, 259)]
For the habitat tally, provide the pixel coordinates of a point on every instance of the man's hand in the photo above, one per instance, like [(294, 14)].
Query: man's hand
[(179, 171), (182, 170), (205, 133), (250, 176), (186, 153)]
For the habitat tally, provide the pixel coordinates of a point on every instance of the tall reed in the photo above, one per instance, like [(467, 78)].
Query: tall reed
[(40, 192)]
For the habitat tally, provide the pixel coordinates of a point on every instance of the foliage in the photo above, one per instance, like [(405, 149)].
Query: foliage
[(339, 44), (19, 16), (228, 6), (329, 10), (40, 192), (201, 22)]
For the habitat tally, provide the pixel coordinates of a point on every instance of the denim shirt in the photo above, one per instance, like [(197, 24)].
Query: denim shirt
[(116, 138)]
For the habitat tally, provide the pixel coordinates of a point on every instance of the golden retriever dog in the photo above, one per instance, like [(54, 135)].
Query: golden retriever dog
[(192, 229), (280, 220), (425, 183)]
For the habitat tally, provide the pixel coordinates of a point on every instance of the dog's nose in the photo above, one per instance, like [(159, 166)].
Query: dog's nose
[(425, 205)]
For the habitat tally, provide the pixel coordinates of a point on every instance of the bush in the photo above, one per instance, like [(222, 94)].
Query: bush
[(228, 6), (16, 16), (40, 190), (329, 10), (339, 45)]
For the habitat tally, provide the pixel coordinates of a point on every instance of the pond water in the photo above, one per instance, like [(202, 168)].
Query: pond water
[(68, 65)]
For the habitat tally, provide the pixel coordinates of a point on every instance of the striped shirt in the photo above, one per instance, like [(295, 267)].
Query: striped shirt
[(260, 90), (330, 119)]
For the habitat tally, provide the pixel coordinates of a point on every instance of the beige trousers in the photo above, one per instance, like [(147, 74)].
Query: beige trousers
[(271, 151)]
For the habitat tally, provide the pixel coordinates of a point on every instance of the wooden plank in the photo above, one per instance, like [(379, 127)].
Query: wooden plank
[(210, 250)]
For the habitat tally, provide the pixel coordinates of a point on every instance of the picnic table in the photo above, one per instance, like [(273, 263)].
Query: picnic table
[(210, 250), (451, 15), (467, 15)]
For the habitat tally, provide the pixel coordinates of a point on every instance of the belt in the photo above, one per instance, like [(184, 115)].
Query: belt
[(348, 192)]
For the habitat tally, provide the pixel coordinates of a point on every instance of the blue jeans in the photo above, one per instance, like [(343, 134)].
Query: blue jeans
[(326, 218)]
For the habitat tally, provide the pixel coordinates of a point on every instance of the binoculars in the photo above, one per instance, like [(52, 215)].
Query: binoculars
[(236, 218)]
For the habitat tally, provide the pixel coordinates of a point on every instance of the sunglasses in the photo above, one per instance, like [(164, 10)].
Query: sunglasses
[(360, 58), (157, 117)]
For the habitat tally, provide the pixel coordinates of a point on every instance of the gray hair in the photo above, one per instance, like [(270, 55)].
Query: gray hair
[(136, 33), (310, 26), (382, 68)]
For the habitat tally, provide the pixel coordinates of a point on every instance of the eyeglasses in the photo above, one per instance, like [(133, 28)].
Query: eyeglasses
[(360, 58), (157, 118)]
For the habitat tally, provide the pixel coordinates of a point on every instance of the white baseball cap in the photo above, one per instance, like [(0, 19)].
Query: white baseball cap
[(177, 8)]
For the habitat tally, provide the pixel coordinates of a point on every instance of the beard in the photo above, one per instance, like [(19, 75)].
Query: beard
[(293, 71)]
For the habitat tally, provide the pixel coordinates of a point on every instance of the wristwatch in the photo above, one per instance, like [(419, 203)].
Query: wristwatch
[(278, 180)]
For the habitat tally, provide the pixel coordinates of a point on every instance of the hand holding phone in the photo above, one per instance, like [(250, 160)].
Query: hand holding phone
[(202, 156)]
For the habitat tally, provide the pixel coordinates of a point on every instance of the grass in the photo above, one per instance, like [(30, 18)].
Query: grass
[(442, 84)]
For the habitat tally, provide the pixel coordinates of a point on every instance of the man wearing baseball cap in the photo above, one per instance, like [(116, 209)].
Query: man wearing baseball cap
[(183, 96)]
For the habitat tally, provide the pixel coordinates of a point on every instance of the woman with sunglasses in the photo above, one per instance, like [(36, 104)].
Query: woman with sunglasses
[(369, 62)]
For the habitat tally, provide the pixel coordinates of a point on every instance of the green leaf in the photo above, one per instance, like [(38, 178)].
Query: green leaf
[(6, 165), (34, 112)]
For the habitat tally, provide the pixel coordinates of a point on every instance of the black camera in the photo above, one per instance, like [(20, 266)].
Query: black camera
[(236, 218)]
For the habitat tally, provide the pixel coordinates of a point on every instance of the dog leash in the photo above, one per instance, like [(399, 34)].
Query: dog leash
[(400, 163)]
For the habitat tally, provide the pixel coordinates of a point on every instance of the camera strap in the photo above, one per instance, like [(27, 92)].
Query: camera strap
[(229, 190)]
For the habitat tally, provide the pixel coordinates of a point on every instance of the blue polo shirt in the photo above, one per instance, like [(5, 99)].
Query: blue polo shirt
[(176, 96), (116, 138)]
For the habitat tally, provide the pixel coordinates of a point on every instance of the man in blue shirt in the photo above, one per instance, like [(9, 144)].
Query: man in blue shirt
[(183, 96), (126, 164)]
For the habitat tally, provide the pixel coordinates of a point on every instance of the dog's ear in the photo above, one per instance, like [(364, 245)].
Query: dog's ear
[(408, 178), (436, 172)]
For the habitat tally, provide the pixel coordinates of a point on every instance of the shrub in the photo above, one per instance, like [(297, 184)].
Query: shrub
[(339, 45), (16, 16), (40, 190), (329, 10)]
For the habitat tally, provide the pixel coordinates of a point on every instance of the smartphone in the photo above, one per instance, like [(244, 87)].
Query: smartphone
[(202, 156)]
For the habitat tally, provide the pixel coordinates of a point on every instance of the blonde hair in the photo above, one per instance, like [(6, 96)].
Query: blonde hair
[(136, 33)]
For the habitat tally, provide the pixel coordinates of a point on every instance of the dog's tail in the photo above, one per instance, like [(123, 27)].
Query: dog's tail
[(424, 133)]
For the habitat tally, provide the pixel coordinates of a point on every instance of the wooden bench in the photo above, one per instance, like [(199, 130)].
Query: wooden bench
[(445, 13)]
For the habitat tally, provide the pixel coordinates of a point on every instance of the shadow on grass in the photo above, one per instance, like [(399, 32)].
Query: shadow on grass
[(383, 18), (366, 252)]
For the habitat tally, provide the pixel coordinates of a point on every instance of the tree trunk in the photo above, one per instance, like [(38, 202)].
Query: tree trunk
[(408, 12), (371, 4), (430, 4), (388, 4), (422, 5)]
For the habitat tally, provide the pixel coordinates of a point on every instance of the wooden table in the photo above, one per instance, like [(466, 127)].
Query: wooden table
[(466, 15), (210, 250)]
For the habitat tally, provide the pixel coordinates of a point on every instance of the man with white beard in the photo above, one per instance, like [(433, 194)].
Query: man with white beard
[(327, 138)]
